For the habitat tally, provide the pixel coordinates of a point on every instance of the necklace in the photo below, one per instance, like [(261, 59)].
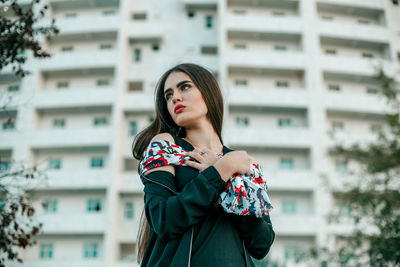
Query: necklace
[(187, 140)]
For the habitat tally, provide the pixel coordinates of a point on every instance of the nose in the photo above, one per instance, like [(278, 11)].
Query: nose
[(176, 96)]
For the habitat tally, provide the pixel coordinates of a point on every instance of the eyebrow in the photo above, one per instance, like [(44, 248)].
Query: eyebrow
[(177, 85)]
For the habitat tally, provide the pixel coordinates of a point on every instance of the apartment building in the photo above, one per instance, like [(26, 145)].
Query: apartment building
[(292, 73)]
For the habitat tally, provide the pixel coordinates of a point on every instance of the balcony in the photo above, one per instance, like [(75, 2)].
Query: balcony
[(77, 97), (265, 59), (284, 138), (354, 103), (283, 224), (297, 179), (139, 102), (264, 24), (353, 66), (76, 137), (146, 32), (200, 4), (286, 97), (80, 60), (131, 183), (373, 4), (69, 179), (87, 24), (60, 263), (353, 31), (73, 223)]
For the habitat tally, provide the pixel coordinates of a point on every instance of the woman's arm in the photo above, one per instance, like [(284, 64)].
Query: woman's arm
[(171, 214), (257, 233)]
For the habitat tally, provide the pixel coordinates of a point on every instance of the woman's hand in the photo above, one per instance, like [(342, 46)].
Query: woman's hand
[(234, 162), (204, 157)]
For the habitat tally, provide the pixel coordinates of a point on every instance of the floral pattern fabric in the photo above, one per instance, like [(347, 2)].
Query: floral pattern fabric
[(245, 194)]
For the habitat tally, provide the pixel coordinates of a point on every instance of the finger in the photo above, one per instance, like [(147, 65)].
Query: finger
[(193, 164), (196, 156)]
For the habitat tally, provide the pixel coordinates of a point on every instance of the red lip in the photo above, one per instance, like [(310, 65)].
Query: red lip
[(179, 108)]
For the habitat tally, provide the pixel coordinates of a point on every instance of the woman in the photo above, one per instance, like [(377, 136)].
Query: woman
[(183, 226)]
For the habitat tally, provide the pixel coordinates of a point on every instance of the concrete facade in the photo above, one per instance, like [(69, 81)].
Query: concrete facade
[(292, 72)]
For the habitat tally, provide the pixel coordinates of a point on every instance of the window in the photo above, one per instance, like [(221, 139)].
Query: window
[(328, 18), (58, 123), (330, 51), (133, 129), (4, 165), (135, 86), (395, 2), (156, 47), (281, 84), (291, 252), (105, 46), (286, 164), (97, 162), (90, 250), (242, 121), (139, 16), (239, 46), (209, 21), (375, 127), (209, 50), (398, 56), (67, 48), (151, 119), (372, 91), (109, 12), (55, 164), (337, 125), (13, 88), (334, 87), (284, 122), (367, 55), (100, 83), (46, 251), (128, 210), (288, 206), (63, 84), (239, 11), (50, 206), (363, 21), (137, 55), (190, 14), (280, 47), (94, 205), (241, 83), (278, 13), (100, 121), (340, 166), (70, 15), (343, 209), (9, 125)]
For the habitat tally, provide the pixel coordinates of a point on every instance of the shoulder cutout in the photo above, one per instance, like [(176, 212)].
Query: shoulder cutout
[(167, 137), (163, 136)]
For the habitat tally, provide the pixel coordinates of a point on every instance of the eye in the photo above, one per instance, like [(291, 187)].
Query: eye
[(185, 86), (168, 96)]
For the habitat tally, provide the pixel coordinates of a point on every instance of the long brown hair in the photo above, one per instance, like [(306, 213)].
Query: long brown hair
[(209, 88)]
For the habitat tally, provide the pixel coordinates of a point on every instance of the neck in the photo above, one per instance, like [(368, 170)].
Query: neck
[(204, 136)]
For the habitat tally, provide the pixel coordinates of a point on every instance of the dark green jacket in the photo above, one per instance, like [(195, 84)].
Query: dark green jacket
[(187, 229)]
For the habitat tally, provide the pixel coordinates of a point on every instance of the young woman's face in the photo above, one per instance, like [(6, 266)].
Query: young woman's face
[(184, 100)]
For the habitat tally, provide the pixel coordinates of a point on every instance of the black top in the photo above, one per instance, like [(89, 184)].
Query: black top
[(217, 235)]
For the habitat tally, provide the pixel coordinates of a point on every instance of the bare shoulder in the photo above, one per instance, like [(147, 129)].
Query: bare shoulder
[(163, 136), (167, 137)]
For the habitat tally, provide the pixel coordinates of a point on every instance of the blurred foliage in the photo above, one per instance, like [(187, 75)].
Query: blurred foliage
[(19, 32), (372, 197)]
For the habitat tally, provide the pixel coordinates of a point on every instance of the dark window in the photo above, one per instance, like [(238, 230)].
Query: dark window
[(156, 47), (209, 20), (135, 86), (138, 55), (190, 14), (395, 2), (209, 50), (139, 16)]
